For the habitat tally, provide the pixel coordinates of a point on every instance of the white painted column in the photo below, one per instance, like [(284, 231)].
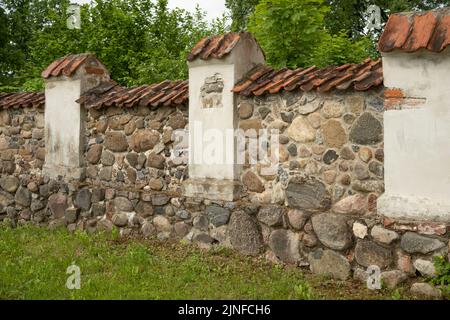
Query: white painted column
[(213, 169), (417, 138), (65, 118)]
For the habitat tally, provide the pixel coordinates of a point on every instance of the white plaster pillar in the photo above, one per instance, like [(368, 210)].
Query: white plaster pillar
[(213, 167), (65, 81), (417, 137)]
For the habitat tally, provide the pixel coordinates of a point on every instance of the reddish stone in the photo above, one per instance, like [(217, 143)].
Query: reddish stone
[(58, 205), (252, 182), (356, 204), (432, 229), (372, 202), (388, 222), (404, 262)]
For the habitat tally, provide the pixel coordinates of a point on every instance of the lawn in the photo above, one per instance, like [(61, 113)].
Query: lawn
[(33, 264)]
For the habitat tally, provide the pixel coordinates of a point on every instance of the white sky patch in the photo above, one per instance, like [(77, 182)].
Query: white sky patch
[(80, 1), (213, 8)]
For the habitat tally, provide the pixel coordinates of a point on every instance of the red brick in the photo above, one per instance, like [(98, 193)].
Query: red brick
[(393, 93), (93, 70)]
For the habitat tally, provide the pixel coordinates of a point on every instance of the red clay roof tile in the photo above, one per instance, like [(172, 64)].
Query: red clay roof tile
[(217, 46), (228, 44), (67, 65), (262, 79), (109, 94), (412, 31), (22, 100), (421, 32), (441, 36)]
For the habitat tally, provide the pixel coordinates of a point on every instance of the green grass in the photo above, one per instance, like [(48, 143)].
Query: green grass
[(33, 264)]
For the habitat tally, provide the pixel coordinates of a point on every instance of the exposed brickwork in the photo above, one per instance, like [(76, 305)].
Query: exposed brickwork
[(396, 99)]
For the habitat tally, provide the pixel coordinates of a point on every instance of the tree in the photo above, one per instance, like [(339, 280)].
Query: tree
[(348, 15), (240, 12), (139, 41), (292, 34), (24, 20), (5, 58)]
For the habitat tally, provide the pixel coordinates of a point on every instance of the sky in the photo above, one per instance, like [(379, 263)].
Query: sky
[(213, 8)]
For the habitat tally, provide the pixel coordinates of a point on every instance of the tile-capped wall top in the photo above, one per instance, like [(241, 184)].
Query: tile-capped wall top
[(22, 100), (69, 64), (260, 80), (217, 47), (263, 79), (166, 93), (412, 31)]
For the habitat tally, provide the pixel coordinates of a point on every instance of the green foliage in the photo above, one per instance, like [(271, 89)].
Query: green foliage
[(5, 58), (292, 34), (442, 278), (442, 271), (344, 15), (143, 41), (25, 19), (289, 31), (139, 41), (396, 295), (240, 12), (348, 15), (304, 292), (344, 22), (339, 49)]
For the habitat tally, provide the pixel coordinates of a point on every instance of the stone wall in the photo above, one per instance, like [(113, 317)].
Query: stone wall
[(337, 245), (317, 212), (134, 148), (331, 150), (21, 141)]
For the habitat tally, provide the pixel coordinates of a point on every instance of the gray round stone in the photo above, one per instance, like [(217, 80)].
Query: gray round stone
[(244, 233), (332, 230)]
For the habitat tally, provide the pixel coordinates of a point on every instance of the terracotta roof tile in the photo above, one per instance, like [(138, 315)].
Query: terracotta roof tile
[(258, 81), (216, 46), (412, 31), (22, 100), (109, 94), (262, 79), (67, 65)]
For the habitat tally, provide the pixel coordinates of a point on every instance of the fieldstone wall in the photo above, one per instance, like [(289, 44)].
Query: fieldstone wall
[(134, 148), (331, 150), (22, 145), (318, 212), (337, 245)]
